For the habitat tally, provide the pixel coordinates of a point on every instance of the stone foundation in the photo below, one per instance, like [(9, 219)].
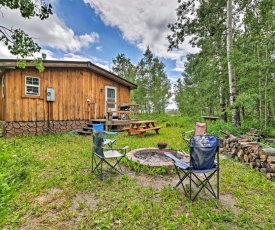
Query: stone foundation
[(16, 128)]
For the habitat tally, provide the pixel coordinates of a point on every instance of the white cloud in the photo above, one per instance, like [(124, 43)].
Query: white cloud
[(52, 33), (74, 57), (4, 52), (99, 48), (144, 23)]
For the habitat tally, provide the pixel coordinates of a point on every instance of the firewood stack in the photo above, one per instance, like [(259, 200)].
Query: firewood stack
[(250, 152)]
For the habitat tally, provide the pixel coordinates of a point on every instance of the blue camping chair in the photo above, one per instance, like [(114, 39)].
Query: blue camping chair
[(203, 161), (105, 156), (100, 127)]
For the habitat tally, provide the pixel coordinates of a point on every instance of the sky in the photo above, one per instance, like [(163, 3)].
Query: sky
[(99, 30)]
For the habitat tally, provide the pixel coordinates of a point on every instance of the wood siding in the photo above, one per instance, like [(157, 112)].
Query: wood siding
[(73, 86)]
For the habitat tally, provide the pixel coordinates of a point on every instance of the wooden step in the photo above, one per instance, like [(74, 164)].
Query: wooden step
[(89, 129), (83, 132)]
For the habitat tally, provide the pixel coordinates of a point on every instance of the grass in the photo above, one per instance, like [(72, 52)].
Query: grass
[(46, 183)]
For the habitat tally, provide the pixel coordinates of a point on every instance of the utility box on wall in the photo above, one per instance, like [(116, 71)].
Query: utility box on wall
[(50, 94)]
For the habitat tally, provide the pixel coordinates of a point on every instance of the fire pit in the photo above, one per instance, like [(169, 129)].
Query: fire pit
[(154, 157)]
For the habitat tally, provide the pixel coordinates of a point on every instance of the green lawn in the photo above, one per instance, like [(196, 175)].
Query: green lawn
[(46, 183)]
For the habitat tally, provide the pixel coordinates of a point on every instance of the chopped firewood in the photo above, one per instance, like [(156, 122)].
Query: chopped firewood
[(271, 159), (270, 176), (246, 158), (269, 151), (263, 170), (271, 168), (249, 152)]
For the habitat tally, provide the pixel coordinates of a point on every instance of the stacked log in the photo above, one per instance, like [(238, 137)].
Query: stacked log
[(250, 153)]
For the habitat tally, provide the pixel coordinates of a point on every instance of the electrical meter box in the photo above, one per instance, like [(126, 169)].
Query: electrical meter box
[(50, 94)]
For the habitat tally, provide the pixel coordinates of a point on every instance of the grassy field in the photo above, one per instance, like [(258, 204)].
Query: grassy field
[(46, 183)]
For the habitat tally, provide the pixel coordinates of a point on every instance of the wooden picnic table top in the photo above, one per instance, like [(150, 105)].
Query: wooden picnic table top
[(210, 118), (137, 128), (142, 122)]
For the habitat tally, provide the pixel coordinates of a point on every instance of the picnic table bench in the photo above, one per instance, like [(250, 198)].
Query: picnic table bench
[(141, 127)]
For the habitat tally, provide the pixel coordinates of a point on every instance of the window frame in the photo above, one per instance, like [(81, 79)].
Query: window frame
[(24, 87), (32, 85)]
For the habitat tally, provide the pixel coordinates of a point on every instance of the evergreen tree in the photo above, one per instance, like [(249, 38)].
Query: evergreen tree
[(153, 91)]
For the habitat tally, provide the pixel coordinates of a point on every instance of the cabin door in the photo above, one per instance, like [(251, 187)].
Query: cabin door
[(110, 95)]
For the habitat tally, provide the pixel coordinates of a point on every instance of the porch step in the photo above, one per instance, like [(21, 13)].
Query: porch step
[(83, 132), (88, 129)]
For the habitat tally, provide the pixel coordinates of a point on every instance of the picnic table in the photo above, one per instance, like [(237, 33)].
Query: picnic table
[(141, 127), (210, 118)]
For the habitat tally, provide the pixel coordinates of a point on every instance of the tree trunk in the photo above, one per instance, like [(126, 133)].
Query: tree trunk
[(231, 74)]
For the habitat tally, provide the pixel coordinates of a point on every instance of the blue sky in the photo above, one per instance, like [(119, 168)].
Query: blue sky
[(99, 30)]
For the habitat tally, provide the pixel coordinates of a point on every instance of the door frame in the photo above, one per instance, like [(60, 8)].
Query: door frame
[(106, 98)]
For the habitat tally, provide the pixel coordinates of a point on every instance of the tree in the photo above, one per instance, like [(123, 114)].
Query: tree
[(18, 42), (243, 74), (231, 74), (123, 67), (205, 22), (153, 91)]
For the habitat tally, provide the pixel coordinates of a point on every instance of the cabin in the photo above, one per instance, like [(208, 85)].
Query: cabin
[(65, 96)]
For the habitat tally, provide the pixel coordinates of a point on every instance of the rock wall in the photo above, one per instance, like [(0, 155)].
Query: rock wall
[(16, 128)]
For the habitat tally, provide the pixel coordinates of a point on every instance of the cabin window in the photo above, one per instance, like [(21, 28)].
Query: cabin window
[(32, 86)]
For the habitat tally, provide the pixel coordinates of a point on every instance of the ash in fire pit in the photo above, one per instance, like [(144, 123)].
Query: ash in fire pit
[(155, 157)]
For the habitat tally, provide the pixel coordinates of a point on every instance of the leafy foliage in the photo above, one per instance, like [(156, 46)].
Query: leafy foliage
[(17, 41), (204, 88), (153, 92)]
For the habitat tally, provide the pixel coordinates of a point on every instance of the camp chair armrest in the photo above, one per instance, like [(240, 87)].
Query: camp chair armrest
[(110, 133), (122, 149), (173, 157), (108, 141)]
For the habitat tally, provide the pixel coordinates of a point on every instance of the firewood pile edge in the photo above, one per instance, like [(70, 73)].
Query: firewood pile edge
[(249, 152)]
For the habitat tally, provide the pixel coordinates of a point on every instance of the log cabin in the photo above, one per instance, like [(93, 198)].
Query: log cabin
[(65, 96)]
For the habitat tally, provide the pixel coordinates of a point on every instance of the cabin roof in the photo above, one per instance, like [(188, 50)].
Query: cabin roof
[(11, 64)]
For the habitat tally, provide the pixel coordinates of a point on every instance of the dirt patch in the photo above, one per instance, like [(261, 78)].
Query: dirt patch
[(229, 201), (83, 201), (52, 206), (55, 208), (156, 182)]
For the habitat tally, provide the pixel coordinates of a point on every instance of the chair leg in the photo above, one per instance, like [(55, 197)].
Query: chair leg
[(99, 166), (218, 184), (114, 166), (205, 183), (200, 183)]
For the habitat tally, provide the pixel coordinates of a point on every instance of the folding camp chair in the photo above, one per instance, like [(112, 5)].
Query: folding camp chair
[(200, 129), (101, 155), (203, 165), (100, 127)]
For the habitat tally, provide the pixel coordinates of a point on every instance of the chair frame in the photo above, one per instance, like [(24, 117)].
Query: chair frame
[(100, 127), (101, 155), (185, 170)]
